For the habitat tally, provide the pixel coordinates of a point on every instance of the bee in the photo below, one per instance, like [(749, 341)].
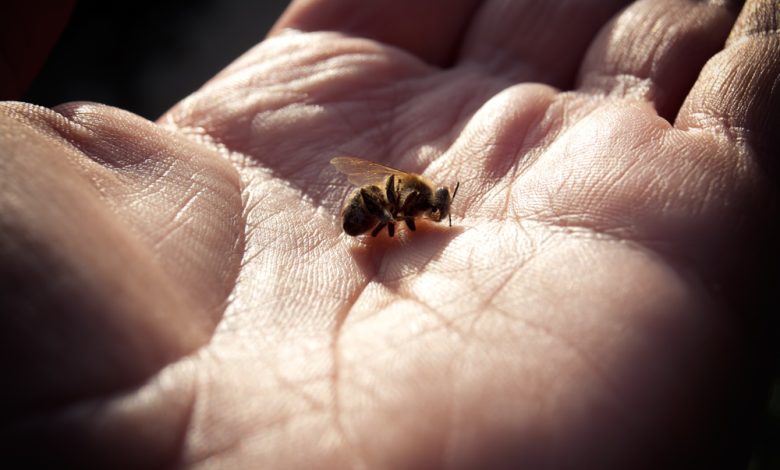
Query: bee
[(387, 196)]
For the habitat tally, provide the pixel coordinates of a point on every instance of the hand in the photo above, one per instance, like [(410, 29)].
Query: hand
[(182, 292)]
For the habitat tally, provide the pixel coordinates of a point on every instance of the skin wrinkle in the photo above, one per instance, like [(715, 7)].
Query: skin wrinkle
[(761, 34), (385, 113), (263, 58), (336, 396), (181, 438), (446, 324), (590, 363), (426, 86), (287, 417), (215, 449), (455, 413), (524, 152), (611, 236), (623, 236), (394, 347), (508, 201), (87, 116), (384, 351), (420, 265), (376, 60), (621, 85), (325, 71), (300, 243), (515, 267), (527, 323), (58, 133), (353, 301), (180, 220), (465, 109), (181, 434), (756, 17), (559, 111), (718, 127), (234, 442), (297, 388), (386, 122), (379, 309), (626, 170), (652, 255), (62, 131)]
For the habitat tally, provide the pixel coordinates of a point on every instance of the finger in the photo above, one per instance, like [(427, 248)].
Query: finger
[(429, 29), (535, 40), (655, 49), (105, 236), (27, 36), (739, 90)]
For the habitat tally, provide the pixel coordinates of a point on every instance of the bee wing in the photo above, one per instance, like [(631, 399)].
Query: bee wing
[(362, 172)]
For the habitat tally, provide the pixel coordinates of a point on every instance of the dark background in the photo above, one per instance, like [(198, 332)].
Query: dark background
[(144, 56)]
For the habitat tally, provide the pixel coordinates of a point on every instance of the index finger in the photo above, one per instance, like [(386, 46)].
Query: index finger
[(429, 29)]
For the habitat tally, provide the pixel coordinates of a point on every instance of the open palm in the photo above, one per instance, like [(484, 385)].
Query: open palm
[(578, 313)]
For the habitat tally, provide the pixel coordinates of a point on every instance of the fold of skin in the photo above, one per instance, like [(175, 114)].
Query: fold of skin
[(181, 293)]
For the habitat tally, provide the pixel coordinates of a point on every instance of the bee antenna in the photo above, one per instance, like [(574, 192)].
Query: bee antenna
[(457, 185)]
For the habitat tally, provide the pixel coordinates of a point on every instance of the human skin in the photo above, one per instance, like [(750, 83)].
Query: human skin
[(180, 293)]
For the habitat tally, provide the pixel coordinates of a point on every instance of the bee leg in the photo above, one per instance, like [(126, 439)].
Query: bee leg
[(378, 229), (372, 201), (392, 196), (390, 229), (411, 198), (410, 223)]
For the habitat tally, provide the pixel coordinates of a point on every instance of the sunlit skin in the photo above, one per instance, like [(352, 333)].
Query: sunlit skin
[(181, 292)]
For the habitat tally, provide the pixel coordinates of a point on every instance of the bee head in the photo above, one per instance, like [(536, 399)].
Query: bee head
[(442, 199)]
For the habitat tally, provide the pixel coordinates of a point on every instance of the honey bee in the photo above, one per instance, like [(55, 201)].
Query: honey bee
[(386, 196)]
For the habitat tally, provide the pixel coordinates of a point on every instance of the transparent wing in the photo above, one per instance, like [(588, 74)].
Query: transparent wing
[(362, 172)]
